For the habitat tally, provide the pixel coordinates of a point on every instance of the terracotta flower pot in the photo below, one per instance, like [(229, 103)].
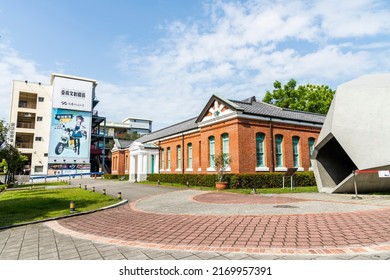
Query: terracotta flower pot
[(221, 185)]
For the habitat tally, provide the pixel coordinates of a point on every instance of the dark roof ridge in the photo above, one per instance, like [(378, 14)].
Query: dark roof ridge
[(240, 101), (173, 125), (299, 111)]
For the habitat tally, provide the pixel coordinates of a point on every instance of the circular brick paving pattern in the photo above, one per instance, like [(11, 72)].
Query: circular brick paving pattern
[(229, 198), (295, 231)]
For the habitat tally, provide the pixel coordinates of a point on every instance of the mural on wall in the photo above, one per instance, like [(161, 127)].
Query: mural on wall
[(70, 136), (70, 131)]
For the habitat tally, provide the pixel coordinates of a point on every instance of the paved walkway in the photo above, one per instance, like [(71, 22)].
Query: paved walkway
[(171, 223)]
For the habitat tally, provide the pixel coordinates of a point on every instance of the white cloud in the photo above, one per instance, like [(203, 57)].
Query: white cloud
[(356, 18), (244, 47), (14, 67), (237, 50)]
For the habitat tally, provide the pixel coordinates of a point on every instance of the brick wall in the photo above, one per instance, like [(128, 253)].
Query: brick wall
[(120, 162), (242, 145)]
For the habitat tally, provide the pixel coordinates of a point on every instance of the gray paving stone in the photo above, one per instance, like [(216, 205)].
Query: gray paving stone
[(138, 255), (9, 256), (109, 253), (32, 255), (178, 255), (192, 257), (69, 255), (219, 257), (154, 254), (166, 257), (207, 255), (117, 256), (93, 256), (49, 257)]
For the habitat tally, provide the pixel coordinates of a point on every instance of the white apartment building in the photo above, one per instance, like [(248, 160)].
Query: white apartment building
[(52, 124), (128, 126)]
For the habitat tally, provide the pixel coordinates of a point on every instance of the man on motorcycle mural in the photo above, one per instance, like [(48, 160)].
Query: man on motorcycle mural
[(78, 132)]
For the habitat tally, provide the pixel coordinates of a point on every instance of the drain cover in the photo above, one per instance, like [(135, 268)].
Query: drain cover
[(285, 206)]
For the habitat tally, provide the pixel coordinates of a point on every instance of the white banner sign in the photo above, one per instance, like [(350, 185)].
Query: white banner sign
[(384, 173), (72, 94)]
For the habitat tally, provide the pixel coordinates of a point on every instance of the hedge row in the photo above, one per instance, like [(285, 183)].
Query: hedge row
[(124, 177), (237, 181)]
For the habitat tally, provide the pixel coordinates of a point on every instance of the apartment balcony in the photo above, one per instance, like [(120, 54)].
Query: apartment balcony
[(24, 140), (27, 100), (26, 120)]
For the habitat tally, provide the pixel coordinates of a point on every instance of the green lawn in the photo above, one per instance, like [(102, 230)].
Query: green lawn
[(242, 191), (32, 205)]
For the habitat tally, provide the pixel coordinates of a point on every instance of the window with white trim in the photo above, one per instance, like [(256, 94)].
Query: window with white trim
[(295, 149), (162, 159), (211, 151), (260, 157), (189, 155), (225, 148), (168, 158), (178, 150), (279, 150)]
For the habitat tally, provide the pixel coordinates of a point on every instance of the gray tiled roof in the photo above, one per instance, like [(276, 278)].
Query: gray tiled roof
[(248, 107), (170, 130), (267, 110), (122, 144)]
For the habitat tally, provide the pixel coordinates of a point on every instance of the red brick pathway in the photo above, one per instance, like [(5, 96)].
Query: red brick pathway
[(308, 233)]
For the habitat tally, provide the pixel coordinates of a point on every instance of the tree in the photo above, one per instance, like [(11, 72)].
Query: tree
[(3, 132), (309, 98), (3, 166), (221, 163), (14, 160)]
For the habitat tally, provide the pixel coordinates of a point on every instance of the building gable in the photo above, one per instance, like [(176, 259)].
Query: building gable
[(217, 108)]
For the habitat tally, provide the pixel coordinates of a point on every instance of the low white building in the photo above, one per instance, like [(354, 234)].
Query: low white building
[(144, 160)]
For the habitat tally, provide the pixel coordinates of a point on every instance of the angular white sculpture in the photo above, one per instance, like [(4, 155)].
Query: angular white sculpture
[(355, 136)]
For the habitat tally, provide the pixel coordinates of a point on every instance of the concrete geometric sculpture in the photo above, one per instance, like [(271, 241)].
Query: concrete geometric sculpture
[(355, 136)]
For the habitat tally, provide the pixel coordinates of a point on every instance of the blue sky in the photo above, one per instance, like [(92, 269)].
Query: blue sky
[(162, 60)]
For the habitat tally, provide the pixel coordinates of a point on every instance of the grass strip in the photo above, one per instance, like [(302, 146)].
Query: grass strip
[(33, 205)]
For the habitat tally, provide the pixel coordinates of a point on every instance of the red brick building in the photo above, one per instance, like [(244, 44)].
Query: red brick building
[(257, 137)]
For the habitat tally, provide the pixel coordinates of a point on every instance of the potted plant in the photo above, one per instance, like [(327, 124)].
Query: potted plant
[(221, 163)]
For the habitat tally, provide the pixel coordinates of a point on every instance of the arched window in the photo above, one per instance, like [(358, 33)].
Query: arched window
[(127, 163), (211, 151), (162, 159), (225, 146), (279, 150), (178, 150), (260, 158), (311, 147), (189, 155), (295, 148), (168, 158)]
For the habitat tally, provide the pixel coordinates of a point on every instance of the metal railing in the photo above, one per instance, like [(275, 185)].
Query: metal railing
[(66, 176), (24, 145), (25, 125)]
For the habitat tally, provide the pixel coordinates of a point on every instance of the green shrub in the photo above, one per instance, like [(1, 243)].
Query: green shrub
[(236, 181), (124, 177)]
